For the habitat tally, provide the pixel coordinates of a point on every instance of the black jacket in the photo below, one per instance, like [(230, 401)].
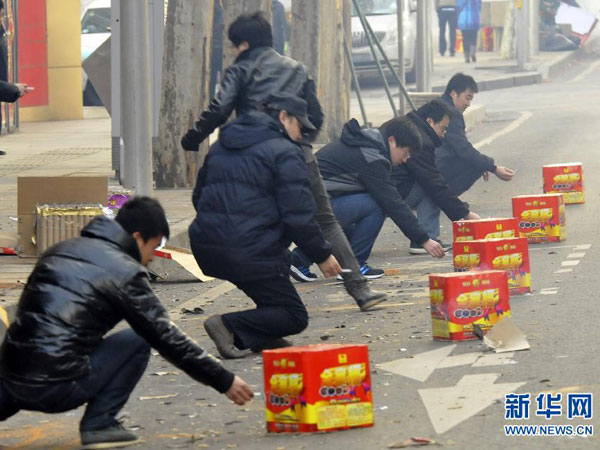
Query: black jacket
[(8, 92), (253, 199), (79, 290), (246, 85), (360, 162), (421, 169), (456, 154)]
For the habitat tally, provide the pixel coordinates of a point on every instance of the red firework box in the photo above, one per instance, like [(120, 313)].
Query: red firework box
[(492, 228), (511, 255), (323, 387), (541, 217), (565, 179), (460, 300)]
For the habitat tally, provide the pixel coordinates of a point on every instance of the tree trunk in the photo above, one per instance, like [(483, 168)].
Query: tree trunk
[(232, 9), (317, 33), (186, 73)]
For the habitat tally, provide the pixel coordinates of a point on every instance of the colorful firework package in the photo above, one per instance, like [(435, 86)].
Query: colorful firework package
[(510, 254), (492, 228), (321, 387), (565, 179), (463, 299), (541, 217)]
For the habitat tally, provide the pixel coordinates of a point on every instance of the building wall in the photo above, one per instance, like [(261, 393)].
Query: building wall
[(63, 39)]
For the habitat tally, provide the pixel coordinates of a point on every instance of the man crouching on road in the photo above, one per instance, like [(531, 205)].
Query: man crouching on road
[(55, 357), (253, 198)]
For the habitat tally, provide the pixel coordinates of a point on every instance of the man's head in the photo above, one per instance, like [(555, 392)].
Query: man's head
[(403, 138), (461, 88), (291, 111), (437, 114), (250, 31), (145, 220)]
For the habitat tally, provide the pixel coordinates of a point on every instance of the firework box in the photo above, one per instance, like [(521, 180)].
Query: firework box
[(541, 217), (322, 387), (492, 228), (565, 179), (462, 299), (510, 254)]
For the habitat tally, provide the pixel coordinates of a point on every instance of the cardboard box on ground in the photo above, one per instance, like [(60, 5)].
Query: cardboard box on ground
[(32, 191)]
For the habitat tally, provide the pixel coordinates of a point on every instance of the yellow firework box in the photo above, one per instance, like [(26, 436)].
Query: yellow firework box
[(565, 179), (541, 217), (322, 387), (492, 228)]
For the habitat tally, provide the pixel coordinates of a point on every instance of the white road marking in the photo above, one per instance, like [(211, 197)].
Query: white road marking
[(555, 247), (576, 255), (549, 291), (563, 270), (447, 407), (586, 72), (572, 262), (583, 247), (525, 115)]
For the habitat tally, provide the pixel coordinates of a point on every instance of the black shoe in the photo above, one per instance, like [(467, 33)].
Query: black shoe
[(223, 338), (272, 344), (369, 273), (473, 58), (416, 249), (111, 437), (2, 152), (366, 298)]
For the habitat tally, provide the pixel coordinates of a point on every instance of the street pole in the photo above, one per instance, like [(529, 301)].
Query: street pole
[(136, 97), (115, 87), (422, 59), (401, 72), (534, 27), (522, 26)]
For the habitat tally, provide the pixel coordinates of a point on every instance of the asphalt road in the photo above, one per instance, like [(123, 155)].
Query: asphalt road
[(560, 324)]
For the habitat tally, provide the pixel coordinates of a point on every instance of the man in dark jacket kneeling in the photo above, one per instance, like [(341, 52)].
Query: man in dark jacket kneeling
[(253, 198), (55, 357)]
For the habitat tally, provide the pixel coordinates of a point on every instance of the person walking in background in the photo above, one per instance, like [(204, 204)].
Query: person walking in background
[(11, 93), (281, 28), (469, 21), (447, 14)]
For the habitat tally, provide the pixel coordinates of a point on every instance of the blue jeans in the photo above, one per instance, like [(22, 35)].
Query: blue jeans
[(361, 219), (116, 366), (428, 213)]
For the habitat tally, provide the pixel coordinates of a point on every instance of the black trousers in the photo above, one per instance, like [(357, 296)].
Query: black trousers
[(447, 16), (279, 312), (116, 366), (469, 43)]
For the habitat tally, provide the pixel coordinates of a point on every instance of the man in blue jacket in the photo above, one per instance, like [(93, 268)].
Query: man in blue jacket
[(253, 199)]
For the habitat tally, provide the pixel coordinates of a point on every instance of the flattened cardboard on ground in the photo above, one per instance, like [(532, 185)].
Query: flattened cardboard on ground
[(184, 258), (505, 337), (34, 190)]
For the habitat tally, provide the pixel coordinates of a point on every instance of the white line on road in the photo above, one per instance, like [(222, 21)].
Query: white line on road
[(525, 115), (583, 247), (549, 291), (563, 270), (576, 255), (572, 262), (554, 247), (586, 72)]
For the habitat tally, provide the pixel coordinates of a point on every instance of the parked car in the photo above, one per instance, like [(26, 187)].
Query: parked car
[(95, 29), (382, 17)]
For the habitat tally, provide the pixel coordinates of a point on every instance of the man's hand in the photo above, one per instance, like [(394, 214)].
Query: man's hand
[(191, 140), (486, 176), (23, 89), (434, 248), (330, 267), (239, 392), (504, 173), (472, 216)]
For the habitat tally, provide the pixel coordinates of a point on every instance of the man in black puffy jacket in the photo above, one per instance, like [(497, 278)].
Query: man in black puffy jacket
[(253, 198), (55, 356), (419, 181), (257, 72)]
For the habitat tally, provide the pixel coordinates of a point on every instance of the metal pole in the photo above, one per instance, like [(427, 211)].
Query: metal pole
[(522, 32), (422, 64), (371, 33), (136, 96), (355, 83), (401, 71), (365, 26), (115, 86)]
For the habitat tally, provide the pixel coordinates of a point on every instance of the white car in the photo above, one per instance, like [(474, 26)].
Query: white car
[(95, 29), (382, 17)]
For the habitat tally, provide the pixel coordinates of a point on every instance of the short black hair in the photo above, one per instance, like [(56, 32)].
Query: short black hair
[(436, 110), (1, 4), (145, 215), (404, 132), (460, 83), (254, 29)]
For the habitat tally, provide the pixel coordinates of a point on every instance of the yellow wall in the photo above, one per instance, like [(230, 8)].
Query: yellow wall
[(65, 94)]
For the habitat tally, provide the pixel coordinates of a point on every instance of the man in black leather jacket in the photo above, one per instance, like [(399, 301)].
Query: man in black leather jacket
[(55, 356), (258, 72)]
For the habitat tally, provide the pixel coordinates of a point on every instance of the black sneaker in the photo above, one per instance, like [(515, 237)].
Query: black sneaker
[(2, 152), (111, 437), (302, 273), (416, 249), (370, 273)]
